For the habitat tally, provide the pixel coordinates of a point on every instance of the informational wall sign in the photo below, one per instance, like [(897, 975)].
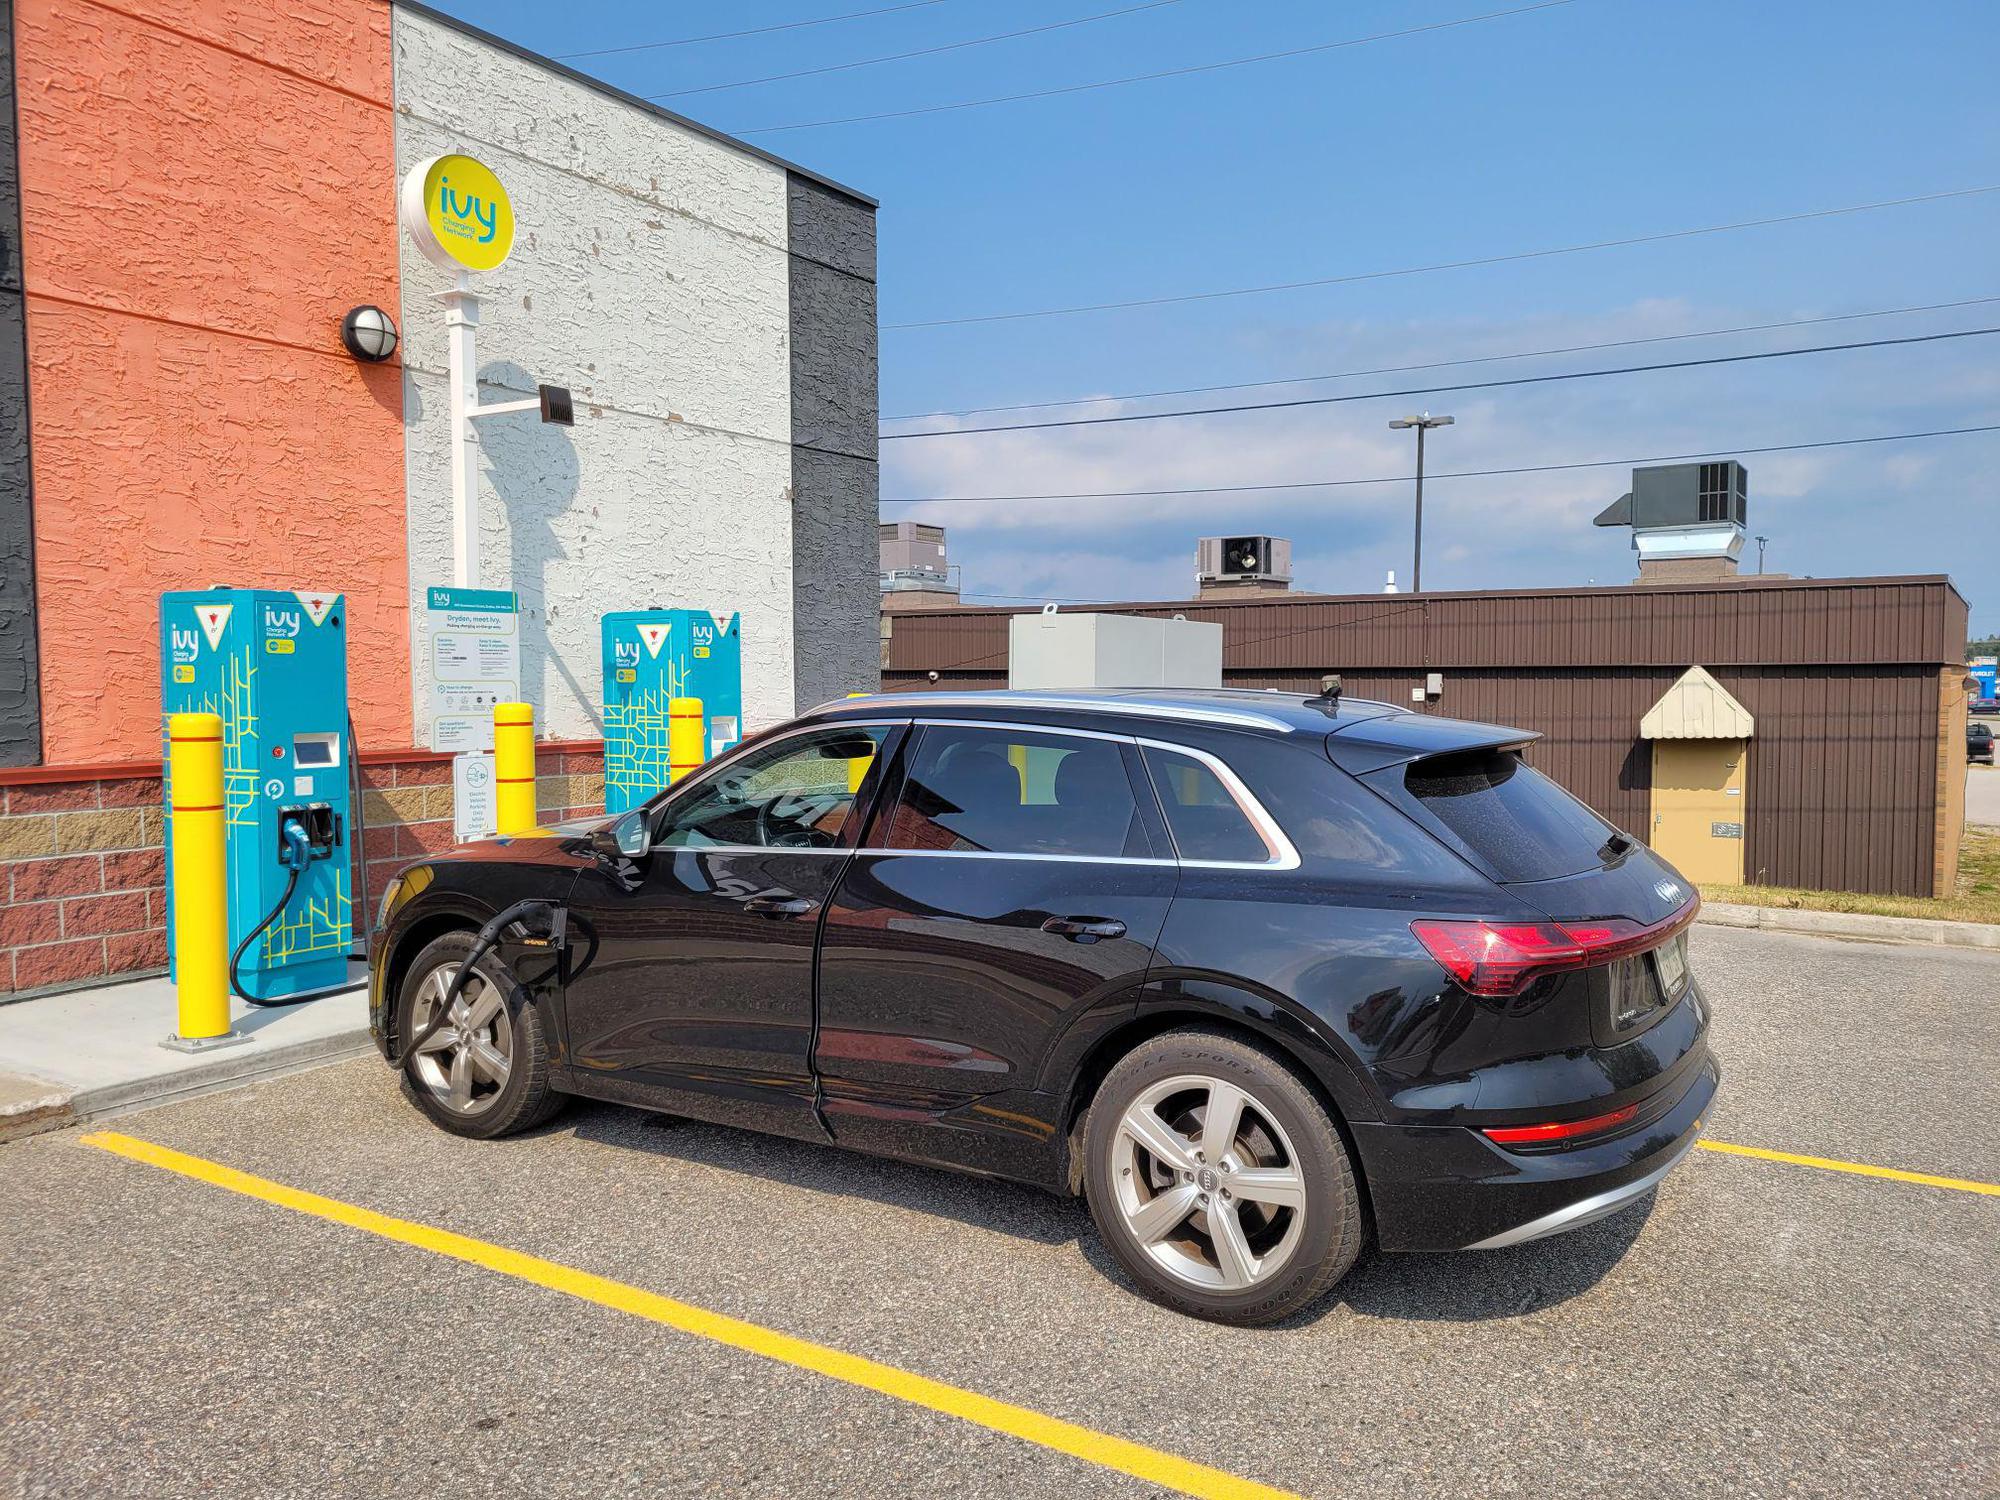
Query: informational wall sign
[(1725, 830), (473, 811), (458, 213), (472, 640)]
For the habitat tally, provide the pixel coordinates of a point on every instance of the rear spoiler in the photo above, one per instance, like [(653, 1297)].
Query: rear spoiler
[(1398, 739)]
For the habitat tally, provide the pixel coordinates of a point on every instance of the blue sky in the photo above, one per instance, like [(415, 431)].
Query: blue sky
[(1597, 119)]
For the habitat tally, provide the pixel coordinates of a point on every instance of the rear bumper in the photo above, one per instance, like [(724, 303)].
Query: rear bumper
[(1588, 1210), (1449, 1188)]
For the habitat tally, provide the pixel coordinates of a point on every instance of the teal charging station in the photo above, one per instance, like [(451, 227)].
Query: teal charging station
[(273, 666), (652, 656)]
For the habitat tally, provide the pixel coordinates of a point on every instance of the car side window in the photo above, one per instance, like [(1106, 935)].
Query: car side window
[(796, 794), (1007, 791), (1205, 819)]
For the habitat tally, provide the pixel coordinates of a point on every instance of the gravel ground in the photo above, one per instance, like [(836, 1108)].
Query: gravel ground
[(1753, 1329)]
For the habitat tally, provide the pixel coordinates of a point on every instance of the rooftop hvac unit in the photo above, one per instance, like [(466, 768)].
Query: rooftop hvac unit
[(1244, 558), (1684, 510), (1683, 495)]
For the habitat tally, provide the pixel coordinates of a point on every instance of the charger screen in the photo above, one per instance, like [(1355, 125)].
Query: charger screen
[(317, 751)]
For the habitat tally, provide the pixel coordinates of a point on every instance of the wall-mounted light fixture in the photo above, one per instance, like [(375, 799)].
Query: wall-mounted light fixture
[(369, 334)]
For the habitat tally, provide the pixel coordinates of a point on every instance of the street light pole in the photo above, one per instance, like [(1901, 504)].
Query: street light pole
[(1423, 424)]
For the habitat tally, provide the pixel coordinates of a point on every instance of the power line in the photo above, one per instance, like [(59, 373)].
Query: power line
[(1435, 390), (723, 36), (1328, 484), (1111, 83), (1450, 265), (1444, 364), (869, 62)]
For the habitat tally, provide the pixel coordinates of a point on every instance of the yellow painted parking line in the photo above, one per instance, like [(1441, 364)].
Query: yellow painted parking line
[(1135, 1459), (1859, 1168)]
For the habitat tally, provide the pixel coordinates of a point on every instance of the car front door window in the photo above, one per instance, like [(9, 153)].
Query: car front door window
[(796, 794)]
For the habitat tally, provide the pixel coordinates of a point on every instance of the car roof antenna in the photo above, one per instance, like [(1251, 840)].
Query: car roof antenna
[(1329, 690)]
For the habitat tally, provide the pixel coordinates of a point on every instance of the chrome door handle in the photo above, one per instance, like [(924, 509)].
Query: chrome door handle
[(1085, 929), (779, 906)]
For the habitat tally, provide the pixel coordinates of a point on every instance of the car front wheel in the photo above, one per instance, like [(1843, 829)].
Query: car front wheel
[(1219, 1180), (485, 1071)]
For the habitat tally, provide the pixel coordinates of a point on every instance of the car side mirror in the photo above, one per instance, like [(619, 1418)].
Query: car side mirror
[(625, 837)]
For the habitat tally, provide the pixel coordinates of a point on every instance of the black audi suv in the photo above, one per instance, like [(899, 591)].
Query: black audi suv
[(1262, 976)]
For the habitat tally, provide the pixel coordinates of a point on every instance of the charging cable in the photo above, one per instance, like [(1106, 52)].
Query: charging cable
[(555, 918), (297, 855)]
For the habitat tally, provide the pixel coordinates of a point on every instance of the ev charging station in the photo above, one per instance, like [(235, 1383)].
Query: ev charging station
[(651, 657), (273, 666)]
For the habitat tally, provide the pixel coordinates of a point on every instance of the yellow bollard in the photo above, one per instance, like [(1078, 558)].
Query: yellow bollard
[(514, 768), (857, 766), (201, 889), (687, 747)]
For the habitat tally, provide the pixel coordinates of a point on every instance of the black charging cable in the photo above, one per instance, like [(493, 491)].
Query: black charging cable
[(299, 850), (555, 920), (358, 808)]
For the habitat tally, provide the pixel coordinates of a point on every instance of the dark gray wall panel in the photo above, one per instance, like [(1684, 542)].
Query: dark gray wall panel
[(832, 229), (834, 393), (20, 687), (836, 595), (836, 601)]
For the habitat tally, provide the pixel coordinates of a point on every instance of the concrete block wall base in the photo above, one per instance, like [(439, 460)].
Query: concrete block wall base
[(83, 872), (1855, 926)]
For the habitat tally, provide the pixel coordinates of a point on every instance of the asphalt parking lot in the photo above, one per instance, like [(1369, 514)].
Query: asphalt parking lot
[(1758, 1327)]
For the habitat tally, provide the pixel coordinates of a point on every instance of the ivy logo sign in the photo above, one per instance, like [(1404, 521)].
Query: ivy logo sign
[(458, 213)]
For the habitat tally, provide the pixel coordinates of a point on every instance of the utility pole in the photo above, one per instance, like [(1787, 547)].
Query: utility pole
[(1760, 552), (1423, 424)]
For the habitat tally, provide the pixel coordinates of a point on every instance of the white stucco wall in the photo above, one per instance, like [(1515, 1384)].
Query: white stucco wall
[(649, 275)]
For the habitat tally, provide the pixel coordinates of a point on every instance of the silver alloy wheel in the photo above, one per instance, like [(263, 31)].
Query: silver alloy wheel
[(466, 1062), (1208, 1183)]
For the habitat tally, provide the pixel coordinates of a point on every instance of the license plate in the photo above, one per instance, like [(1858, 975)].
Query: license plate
[(1671, 960)]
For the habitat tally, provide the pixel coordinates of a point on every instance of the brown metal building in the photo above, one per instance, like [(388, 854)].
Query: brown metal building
[(1854, 773)]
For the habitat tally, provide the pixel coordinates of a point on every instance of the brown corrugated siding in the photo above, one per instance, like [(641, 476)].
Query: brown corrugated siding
[(1806, 621), (1841, 675)]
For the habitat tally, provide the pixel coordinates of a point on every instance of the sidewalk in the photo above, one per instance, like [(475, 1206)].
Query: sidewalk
[(79, 1056), (1855, 926)]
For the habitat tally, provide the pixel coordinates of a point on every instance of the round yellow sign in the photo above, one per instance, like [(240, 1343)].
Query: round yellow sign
[(458, 213)]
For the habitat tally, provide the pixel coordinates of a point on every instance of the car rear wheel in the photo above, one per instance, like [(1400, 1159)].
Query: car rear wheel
[(1218, 1180), (485, 1071)]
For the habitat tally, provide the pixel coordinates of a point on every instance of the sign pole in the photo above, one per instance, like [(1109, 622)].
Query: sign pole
[(461, 320)]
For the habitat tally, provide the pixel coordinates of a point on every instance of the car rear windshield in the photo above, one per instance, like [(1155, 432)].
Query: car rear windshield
[(1509, 814)]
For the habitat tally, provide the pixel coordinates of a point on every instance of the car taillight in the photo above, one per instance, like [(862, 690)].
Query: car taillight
[(1499, 959), (1566, 1130)]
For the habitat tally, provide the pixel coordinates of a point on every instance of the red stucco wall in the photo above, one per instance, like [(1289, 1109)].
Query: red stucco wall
[(206, 187)]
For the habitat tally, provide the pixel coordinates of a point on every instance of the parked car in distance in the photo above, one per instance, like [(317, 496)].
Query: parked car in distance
[(1979, 743), (1261, 976)]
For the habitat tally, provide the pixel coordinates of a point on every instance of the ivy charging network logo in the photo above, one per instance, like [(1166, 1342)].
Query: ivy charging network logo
[(456, 210)]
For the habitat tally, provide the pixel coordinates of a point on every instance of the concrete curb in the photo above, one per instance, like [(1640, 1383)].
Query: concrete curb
[(28, 1106), (50, 1106), (1855, 926)]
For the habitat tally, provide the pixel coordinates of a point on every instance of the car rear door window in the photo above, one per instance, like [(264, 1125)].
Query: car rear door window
[(1005, 791), (1509, 814), (1207, 822)]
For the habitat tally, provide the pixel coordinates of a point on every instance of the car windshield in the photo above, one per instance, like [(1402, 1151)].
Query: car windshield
[(1509, 814)]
